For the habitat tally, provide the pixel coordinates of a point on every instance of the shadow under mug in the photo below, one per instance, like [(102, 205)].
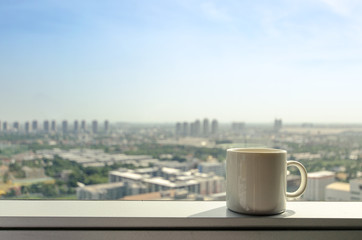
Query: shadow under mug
[(256, 180)]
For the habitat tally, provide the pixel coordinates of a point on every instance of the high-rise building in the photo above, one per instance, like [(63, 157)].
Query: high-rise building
[(27, 127), (34, 125), (46, 126), (94, 126), (316, 185), (277, 125), (185, 129), (76, 126), (214, 127), (83, 125), (192, 129), (16, 126), (54, 126), (197, 128), (206, 127), (5, 126), (0, 126), (178, 129), (106, 126), (65, 126)]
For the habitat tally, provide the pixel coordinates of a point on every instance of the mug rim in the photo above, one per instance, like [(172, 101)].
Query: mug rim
[(257, 150)]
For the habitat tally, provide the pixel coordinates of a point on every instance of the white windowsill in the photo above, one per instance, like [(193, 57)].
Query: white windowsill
[(133, 215)]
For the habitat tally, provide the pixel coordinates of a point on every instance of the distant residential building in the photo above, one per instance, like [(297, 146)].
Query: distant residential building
[(210, 184), (183, 166), (197, 128), (171, 179), (46, 126), (16, 126), (160, 184), (316, 185), (106, 126), (178, 131), (34, 126), (192, 129), (337, 191), (356, 189), (212, 167), (54, 126), (214, 126), (125, 176), (135, 189), (170, 173), (83, 125), (206, 127), (107, 191), (95, 126), (76, 126), (277, 125), (27, 127), (185, 129), (148, 172), (5, 126), (65, 126)]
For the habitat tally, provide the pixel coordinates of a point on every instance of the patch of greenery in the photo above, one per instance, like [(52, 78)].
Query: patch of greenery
[(178, 151), (13, 149)]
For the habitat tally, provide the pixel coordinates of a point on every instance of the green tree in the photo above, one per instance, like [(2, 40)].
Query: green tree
[(6, 177), (14, 167), (49, 190)]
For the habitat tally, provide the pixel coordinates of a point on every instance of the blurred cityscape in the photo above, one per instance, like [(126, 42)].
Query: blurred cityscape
[(179, 161)]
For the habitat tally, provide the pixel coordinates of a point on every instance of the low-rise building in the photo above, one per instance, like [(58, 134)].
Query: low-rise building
[(125, 176), (107, 191), (356, 189), (166, 179), (215, 167), (316, 185), (337, 191)]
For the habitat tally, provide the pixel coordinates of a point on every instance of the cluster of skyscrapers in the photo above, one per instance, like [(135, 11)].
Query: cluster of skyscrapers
[(52, 127), (195, 129)]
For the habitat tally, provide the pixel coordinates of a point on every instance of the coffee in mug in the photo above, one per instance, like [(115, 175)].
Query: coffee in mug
[(256, 180)]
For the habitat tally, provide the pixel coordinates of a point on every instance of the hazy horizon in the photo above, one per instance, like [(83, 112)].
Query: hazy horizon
[(170, 61), (265, 123)]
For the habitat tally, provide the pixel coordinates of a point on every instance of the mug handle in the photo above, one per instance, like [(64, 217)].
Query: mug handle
[(303, 182)]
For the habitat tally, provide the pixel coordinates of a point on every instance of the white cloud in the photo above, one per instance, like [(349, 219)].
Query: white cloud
[(215, 12), (342, 7)]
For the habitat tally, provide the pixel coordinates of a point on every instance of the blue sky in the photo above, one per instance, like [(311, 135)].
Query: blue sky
[(168, 61)]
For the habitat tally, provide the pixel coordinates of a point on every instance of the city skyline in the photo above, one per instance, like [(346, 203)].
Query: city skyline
[(169, 61)]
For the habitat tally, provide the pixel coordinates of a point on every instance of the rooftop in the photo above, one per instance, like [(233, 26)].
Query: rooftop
[(103, 186), (321, 174), (339, 186), (129, 175)]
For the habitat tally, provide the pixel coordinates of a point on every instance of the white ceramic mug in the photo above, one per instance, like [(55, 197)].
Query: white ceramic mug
[(256, 180)]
